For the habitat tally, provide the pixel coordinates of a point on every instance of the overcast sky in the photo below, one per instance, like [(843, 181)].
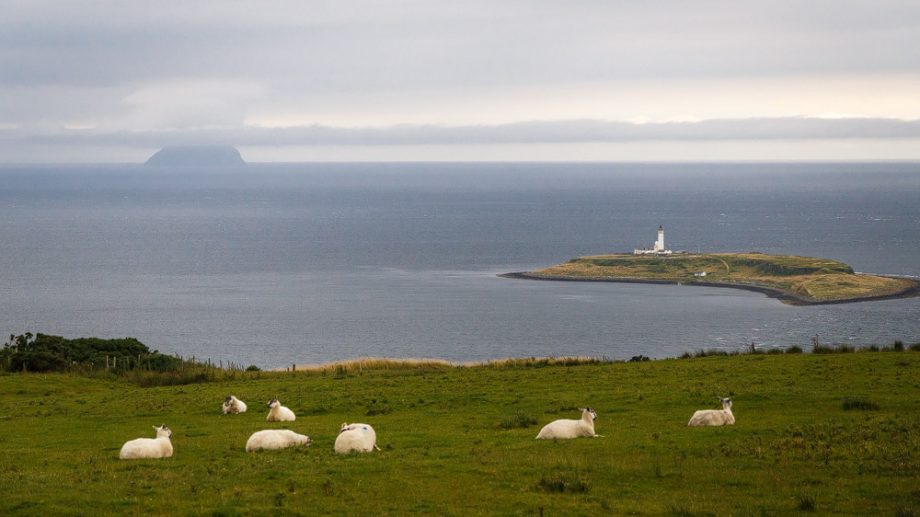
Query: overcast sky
[(104, 81)]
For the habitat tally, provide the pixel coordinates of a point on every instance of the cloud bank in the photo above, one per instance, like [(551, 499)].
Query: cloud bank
[(118, 74), (534, 132)]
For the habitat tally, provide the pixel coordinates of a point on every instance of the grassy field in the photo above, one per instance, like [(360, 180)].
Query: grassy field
[(805, 279), (832, 433)]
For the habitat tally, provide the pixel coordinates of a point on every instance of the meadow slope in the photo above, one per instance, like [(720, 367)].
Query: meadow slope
[(460, 441)]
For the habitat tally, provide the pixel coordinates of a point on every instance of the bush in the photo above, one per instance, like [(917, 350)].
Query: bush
[(638, 359), (37, 361), (44, 353), (158, 362), (794, 349), (124, 356)]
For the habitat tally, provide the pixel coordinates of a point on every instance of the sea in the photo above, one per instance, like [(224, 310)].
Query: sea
[(277, 264)]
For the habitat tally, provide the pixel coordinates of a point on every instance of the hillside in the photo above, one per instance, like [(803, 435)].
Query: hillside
[(792, 279), (836, 433)]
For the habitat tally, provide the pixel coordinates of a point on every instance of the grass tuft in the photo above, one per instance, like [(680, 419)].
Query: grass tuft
[(859, 404), (831, 349), (517, 421), (564, 481), (807, 503)]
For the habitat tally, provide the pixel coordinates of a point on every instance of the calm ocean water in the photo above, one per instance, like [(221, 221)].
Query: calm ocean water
[(277, 264)]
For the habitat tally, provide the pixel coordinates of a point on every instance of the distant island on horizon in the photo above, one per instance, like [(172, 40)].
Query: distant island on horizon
[(197, 156)]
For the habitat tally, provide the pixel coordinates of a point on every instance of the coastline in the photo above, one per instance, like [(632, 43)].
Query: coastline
[(786, 297)]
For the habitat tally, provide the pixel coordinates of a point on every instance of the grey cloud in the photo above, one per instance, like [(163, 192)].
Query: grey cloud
[(86, 63), (374, 45), (567, 131)]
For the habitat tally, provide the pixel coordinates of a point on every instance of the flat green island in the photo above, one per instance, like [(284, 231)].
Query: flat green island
[(791, 279)]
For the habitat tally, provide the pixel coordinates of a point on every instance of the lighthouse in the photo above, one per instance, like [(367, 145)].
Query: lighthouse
[(659, 244), (657, 248)]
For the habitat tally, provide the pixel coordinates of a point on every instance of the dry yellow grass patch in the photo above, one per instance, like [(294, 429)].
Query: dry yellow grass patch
[(384, 363)]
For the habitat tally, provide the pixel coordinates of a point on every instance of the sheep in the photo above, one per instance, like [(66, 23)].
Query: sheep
[(356, 437), (559, 429), (276, 439), (722, 416), (234, 405), (159, 447), (279, 413)]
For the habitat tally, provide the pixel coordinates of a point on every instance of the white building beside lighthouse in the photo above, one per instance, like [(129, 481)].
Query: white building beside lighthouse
[(657, 249)]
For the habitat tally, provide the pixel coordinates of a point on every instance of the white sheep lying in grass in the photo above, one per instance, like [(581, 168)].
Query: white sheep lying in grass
[(356, 437), (276, 439), (559, 429), (159, 447), (722, 416), (234, 405), (279, 413)]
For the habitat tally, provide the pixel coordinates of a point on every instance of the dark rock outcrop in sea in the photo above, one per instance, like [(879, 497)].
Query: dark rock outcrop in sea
[(197, 156)]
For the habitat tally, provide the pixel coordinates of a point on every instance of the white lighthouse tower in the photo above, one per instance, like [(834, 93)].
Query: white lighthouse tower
[(657, 248), (659, 244)]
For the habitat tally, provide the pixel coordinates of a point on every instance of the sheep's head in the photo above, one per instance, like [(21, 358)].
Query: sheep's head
[(589, 411), (344, 428), (726, 402), (273, 403), (228, 400), (163, 431)]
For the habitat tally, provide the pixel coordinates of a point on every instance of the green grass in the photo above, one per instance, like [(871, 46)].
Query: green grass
[(802, 279), (460, 441)]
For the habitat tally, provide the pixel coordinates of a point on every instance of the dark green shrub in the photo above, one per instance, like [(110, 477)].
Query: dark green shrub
[(37, 361), (158, 362), (794, 349)]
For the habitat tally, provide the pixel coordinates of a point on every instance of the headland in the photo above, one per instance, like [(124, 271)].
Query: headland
[(792, 280)]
